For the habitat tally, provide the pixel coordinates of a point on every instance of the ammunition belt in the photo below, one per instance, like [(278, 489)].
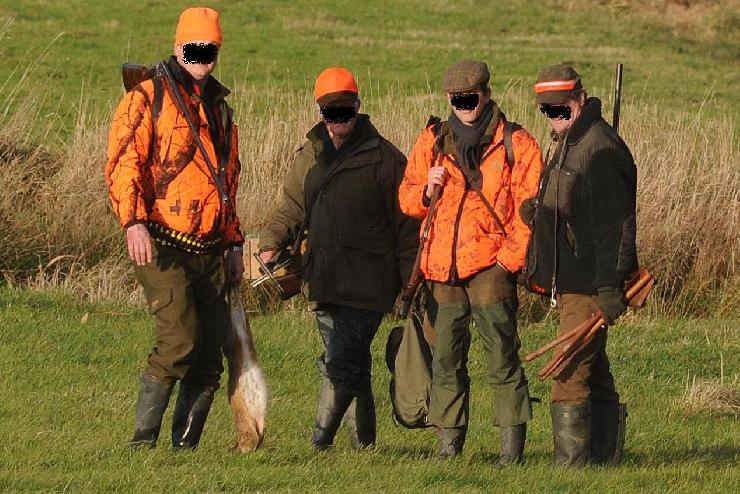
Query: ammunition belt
[(180, 240)]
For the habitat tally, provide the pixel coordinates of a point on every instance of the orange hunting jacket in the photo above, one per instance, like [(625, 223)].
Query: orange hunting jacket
[(161, 176), (463, 234)]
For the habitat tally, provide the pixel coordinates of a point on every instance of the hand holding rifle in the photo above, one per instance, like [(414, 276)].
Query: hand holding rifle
[(437, 176)]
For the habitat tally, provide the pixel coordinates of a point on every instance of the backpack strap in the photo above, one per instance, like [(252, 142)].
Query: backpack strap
[(509, 129), (157, 101)]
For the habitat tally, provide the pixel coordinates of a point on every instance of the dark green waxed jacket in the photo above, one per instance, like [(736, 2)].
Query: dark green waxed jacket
[(593, 239), (360, 248)]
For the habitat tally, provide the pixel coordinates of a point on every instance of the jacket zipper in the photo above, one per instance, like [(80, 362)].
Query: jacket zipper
[(558, 165)]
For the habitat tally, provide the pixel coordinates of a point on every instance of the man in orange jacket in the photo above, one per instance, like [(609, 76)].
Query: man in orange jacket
[(476, 243), (176, 202)]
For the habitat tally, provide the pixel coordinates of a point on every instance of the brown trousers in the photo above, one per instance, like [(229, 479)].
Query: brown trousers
[(186, 294), (587, 377)]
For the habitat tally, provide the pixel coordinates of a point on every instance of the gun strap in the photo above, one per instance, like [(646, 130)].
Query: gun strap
[(157, 102), (177, 98)]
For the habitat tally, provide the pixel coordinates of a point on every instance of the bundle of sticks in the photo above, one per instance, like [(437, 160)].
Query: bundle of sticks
[(638, 286)]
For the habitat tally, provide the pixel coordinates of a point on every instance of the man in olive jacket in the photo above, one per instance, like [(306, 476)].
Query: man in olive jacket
[(359, 247), (583, 249)]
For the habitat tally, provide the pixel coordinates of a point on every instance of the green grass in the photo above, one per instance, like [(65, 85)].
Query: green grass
[(405, 44), (66, 412), (68, 387)]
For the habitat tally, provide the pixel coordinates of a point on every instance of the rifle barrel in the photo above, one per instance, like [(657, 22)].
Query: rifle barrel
[(617, 97)]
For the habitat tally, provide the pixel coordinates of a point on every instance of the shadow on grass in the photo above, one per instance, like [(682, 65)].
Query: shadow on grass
[(716, 456)]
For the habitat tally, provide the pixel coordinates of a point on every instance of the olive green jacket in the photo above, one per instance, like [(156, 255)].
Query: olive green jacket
[(360, 247)]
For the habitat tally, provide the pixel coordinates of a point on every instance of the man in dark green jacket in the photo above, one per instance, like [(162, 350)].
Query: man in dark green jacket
[(583, 249), (359, 247)]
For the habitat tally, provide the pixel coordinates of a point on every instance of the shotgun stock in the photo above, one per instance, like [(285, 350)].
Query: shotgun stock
[(407, 296)]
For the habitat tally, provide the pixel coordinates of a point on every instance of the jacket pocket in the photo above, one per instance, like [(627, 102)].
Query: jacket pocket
[(560, 185), (365, 266), (159, 298)]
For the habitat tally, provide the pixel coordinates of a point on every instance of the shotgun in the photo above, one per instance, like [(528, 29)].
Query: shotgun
[(617, 98), (407, 296)]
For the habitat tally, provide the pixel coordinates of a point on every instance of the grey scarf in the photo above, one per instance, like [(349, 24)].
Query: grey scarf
[(470, 142)]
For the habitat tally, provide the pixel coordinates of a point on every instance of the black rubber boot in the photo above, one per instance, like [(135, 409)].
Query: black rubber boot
[(570, 431), (608, 424), (360, 420), (333, 403), (451, 441), (189, 417), (153, 398), (512, 445)]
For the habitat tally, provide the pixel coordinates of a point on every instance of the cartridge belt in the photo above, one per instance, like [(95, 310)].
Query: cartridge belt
[(180, 240)]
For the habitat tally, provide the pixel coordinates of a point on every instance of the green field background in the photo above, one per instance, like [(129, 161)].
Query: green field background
[(69, 368), (388, 44)]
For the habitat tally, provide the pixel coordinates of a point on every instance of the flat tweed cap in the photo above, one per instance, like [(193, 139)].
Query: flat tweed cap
[(556, 84), (467, 75)]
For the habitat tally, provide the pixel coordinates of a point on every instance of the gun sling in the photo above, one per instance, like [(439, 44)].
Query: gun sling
[(218, 179)]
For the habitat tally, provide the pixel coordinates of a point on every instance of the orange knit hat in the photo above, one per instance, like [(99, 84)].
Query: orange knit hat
[(198, 23), (334, 80)]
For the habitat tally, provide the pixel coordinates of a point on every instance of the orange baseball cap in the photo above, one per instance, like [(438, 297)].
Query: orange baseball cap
[(335, 84), (198, 23)]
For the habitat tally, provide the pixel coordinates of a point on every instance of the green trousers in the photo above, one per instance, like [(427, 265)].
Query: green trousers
[(490, 298), (186, 294)]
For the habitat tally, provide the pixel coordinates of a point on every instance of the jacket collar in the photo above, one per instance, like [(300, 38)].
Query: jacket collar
[(363, 138), (590, 114), (213, 92)]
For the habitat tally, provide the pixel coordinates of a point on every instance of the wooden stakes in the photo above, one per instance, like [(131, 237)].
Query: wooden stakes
[(638, 287)]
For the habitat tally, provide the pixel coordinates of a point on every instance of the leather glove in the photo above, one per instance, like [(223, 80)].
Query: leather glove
[(527, 211), (611, 302)]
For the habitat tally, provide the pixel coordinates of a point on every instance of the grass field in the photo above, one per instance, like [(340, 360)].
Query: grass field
[(682, 57), (70, 372), (70, 356)]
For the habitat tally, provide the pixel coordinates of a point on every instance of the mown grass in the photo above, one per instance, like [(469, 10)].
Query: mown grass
[(66, 409)]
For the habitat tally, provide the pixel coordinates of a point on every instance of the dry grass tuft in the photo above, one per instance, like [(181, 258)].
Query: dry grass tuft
[(712, 398), (57, 229)]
